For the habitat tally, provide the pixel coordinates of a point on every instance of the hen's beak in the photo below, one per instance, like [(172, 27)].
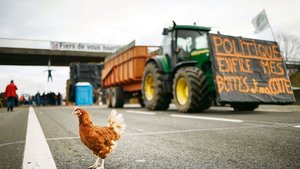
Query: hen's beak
[(76, 112)]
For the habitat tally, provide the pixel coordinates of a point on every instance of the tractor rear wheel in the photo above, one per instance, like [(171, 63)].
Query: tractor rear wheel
[(190, 90), (154, 96)]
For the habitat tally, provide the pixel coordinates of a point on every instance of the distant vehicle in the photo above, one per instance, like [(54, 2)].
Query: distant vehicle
[(25, 99)]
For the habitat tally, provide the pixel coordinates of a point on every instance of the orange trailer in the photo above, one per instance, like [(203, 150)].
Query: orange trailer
[(122, 73)]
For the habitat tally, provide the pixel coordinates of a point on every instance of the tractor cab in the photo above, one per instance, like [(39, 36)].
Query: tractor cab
[(185, 43)]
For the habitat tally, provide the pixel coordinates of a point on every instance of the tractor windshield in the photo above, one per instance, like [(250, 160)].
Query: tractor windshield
[(189, 40)]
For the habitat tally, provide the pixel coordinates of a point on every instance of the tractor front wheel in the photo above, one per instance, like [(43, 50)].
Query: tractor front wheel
[(154, 95), (190, 90)]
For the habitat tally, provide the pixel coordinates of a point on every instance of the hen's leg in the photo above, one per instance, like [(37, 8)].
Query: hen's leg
[(95, 164), (102, 164)]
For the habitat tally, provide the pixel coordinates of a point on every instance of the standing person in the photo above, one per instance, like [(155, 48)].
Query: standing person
[(44, 99), (11, 95), (59, 99), (38, 98)]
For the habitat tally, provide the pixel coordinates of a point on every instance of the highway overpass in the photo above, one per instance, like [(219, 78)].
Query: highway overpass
[(39, 52)]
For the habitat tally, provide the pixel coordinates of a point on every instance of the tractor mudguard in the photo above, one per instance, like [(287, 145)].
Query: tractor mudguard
[(163, 63), (190, 63), (157, 62)]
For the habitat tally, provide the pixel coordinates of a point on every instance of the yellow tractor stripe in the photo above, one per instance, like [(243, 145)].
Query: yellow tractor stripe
[(199, 52)]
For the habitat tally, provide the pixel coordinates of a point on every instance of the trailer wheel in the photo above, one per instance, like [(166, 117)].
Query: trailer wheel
[(141, 102), (108, 97), (190, 90), (244, 106), (117, 97), (154, 96)]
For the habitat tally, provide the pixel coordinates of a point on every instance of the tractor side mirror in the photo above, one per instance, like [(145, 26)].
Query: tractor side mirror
[(166, 31)]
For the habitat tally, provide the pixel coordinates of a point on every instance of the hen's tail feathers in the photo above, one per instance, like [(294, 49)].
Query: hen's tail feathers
[(116, 121)]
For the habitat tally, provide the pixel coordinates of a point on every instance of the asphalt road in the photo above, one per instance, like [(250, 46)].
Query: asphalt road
[(218, 138)]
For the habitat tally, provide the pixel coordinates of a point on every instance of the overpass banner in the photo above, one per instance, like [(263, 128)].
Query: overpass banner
[(84, 47), (249, 70)]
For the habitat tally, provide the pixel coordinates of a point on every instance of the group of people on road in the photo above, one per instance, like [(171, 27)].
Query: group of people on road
[(47, 99), (39, 99)]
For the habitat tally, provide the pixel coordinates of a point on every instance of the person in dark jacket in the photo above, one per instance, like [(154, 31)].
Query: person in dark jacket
[(11, 95)]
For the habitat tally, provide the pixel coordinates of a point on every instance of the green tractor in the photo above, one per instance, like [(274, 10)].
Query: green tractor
[(183, 71)]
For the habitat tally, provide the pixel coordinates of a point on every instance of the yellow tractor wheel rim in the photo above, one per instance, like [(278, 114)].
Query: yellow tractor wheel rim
[(149, 87), (182, 91)]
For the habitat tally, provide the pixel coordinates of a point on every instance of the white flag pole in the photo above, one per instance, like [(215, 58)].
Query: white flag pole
[(270, 26)]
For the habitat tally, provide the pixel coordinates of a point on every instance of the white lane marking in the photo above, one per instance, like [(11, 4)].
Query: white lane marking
[(269, 123), (207, 118), (63, 138), (298, 126), (140, 112), (48, 139), (140, 160), (221, 108), (193, 130), (11, 143), (37, 153)]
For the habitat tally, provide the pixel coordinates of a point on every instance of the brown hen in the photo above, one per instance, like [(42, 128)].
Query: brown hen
[(101, 140)]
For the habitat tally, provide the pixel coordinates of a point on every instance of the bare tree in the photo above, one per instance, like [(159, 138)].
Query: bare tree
[(289, 46), (290, 49)]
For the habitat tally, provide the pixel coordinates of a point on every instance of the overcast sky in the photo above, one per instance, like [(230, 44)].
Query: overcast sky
[(121, 21)]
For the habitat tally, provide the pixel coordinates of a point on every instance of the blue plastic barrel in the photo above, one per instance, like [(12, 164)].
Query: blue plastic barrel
[(83, 94)]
